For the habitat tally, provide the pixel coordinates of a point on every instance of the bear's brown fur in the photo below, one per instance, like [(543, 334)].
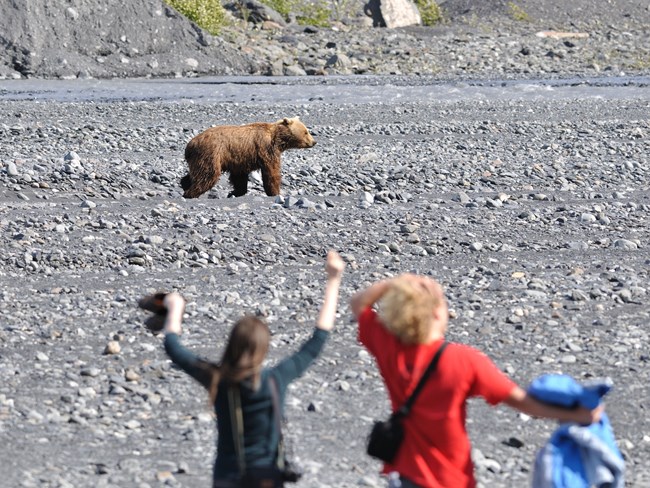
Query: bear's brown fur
[(240, 150)]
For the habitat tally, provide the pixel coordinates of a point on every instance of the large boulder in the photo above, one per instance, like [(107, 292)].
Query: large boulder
[(99, 38), (393, 13)]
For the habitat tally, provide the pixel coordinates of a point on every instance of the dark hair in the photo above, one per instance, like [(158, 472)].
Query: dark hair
[(246, 349)]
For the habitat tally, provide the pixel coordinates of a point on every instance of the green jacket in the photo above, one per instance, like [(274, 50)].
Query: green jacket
[(260, 433)]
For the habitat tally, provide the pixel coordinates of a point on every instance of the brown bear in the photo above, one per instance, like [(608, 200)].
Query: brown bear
[(240, 150)]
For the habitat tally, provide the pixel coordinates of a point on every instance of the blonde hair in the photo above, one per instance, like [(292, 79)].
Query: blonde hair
[(407, 308)]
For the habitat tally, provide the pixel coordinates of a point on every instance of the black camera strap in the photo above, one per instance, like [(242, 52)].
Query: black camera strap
[(406, 408)]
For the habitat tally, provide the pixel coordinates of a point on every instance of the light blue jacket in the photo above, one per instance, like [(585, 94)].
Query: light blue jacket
[(577, 456)]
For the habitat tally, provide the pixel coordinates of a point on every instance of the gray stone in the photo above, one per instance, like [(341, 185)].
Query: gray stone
[(625, 244), (71, 156), (393, 13), (290, 201), (339, 61), (12, 169), (462, 198), (366, 198), (255, 12), (294, 70), (489, 203)]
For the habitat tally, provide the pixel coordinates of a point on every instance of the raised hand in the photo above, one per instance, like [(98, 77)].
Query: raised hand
[(334, 265)]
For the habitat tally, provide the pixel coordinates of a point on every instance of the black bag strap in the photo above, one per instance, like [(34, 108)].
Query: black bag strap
[(406, 408), (275, 396)]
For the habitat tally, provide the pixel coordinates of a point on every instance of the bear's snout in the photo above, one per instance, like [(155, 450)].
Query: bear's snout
[(310, 141)]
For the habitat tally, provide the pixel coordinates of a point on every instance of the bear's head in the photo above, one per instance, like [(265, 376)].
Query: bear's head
[(294, 134)]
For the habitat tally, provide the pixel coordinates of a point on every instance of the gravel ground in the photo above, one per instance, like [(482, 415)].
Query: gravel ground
[(531, 210)]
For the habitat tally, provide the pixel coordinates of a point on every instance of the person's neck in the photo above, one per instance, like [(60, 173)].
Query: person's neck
[(435, 334)]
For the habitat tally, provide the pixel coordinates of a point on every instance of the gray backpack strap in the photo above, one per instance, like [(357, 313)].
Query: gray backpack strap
[(275, 396), (237, 423)]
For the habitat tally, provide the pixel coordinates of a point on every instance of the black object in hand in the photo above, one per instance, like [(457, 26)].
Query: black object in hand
[(154, 303)]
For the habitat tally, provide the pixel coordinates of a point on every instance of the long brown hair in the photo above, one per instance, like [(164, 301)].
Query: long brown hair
[(244, 354)]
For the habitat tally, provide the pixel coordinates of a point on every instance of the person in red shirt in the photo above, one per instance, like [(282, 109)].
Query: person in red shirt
[(403, 336)]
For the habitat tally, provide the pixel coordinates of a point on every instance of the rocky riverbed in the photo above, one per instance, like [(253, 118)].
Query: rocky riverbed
[(529, 202)]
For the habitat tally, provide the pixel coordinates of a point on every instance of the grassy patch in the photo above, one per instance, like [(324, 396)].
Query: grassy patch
[(207, 14), (641, 64), (317, 14), (518, 13), (429, 12), (283, 7), (307, 12)]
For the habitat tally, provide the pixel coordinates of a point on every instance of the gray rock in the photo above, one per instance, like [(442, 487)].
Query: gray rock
[(339, 61), (625, 244), (393, 13), (290, 201), (462, 198), (71, 156), (12, 169), (294, 70), (255, 12)]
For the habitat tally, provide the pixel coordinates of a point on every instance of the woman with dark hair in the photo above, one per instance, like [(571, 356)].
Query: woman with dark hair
[(240, 388)]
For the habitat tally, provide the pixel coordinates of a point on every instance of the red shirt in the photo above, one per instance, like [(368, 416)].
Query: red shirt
[(436, 449)]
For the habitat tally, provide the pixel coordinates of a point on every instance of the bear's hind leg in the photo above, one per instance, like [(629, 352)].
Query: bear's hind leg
[(199, 186), (186, 182), (239, 182)]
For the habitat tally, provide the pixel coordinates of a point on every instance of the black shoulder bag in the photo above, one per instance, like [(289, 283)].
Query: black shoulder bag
[(386, 436)]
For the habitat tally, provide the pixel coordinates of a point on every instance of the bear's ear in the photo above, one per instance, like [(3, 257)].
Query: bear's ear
[(287, 121)]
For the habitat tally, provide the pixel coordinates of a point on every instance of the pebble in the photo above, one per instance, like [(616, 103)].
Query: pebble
[(625, 244), (113, 347), (12, 169)]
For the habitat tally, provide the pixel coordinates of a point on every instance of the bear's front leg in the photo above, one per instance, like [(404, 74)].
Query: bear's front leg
[(239, 182), (271, 179)]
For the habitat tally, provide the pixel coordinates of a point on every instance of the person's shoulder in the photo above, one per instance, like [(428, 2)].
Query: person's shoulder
[(368, 314), (466, 351)]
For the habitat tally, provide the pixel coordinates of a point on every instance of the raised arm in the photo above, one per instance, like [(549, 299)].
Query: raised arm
[(527, 404), (334, 268), (175, 305), (368, 297), (196, 367), (296, 364)]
